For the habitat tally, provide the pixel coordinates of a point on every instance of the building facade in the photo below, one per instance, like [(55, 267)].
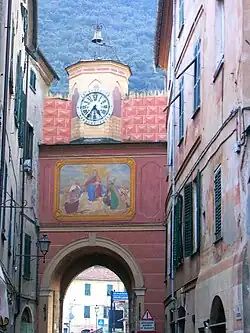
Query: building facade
[(88, 298), (207, 59), (102, 187), (26, 77)]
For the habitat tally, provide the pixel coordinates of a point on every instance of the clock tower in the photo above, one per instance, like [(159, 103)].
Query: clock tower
[(96, 88)]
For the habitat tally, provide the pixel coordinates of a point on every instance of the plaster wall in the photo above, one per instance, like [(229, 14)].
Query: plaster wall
[(210, 136)]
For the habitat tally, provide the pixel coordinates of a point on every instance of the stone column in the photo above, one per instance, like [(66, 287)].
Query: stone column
[(56, 312), (139, 294)]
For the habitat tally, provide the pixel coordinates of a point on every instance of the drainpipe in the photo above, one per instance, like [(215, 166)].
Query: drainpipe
[(23, 188), (5, 100), (172, 272)]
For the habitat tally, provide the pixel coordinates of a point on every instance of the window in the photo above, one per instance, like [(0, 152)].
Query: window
[(178, 248), (197, 69), (11, 80), (27, 258), (24, 12), (87, 289), (28, 154), (181, 110), (5, 184), (105, 312), (10, 223), (219, 31), (196, 212), (188, 219), (109, 289), (86, 311), (32, 80), (181, 14), (217, 203), (18, 89)]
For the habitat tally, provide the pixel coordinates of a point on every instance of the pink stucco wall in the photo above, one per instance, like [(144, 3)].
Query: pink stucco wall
[(144, 235)]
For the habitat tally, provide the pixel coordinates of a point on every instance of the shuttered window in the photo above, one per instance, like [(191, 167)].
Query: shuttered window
[(181, 14), (21, 120), (18, 89), (5, 189), (33, 80), (109, 289), (11, 80), (197, 69), (10, 223), (217, 203), (105, 312), (87, 289), (177, 242), (181, 110), (27, 258), (196, 212), (188, 220), (87, 311)]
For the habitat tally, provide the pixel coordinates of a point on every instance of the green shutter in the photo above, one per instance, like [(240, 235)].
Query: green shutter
[(217, 203), (177, 243), (19, 89), (197, 69), (21, 120), (27, 253), (5, 184), (10, 223), (198, 211), (181, 110), (188, 219), (181, 13)]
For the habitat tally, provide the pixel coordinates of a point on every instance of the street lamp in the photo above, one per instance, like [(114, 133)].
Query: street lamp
[(96, 315), (44, 244)]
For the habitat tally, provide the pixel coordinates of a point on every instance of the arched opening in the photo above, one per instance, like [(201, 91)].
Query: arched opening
[(26, 321), (217, 320), (74, 259), (96, 299)]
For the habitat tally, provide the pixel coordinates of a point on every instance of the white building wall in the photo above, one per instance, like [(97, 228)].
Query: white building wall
[(75, 298)]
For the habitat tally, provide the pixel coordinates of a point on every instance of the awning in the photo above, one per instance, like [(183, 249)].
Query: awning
[(4, 306)]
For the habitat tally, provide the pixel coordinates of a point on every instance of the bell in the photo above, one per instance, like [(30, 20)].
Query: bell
[(97, 39)]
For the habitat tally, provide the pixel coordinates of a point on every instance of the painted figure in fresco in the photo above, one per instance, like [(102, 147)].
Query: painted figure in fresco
[(94, 187), (124, 196), (72, 203), (113, 194)]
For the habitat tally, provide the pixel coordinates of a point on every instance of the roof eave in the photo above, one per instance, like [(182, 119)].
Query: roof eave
[(163, 32)]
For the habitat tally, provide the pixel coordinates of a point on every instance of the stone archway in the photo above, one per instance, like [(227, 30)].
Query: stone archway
[(72, 260), (217, 322)]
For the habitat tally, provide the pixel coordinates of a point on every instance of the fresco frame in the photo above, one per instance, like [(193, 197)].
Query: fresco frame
[(59, 215)]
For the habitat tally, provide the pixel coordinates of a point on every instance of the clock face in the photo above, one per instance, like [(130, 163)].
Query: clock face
[(94, 107)]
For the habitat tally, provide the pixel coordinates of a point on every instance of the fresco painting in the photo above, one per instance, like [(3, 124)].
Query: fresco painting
[(90, 189)]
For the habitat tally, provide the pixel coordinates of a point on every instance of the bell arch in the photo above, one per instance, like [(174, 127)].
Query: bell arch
[(72, 260)]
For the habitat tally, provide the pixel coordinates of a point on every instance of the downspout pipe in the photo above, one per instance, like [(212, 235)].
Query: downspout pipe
[(23, 187), (172, 271), (5, 100)]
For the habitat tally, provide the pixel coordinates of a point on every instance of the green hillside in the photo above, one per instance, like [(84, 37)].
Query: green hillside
[(66, 30)]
